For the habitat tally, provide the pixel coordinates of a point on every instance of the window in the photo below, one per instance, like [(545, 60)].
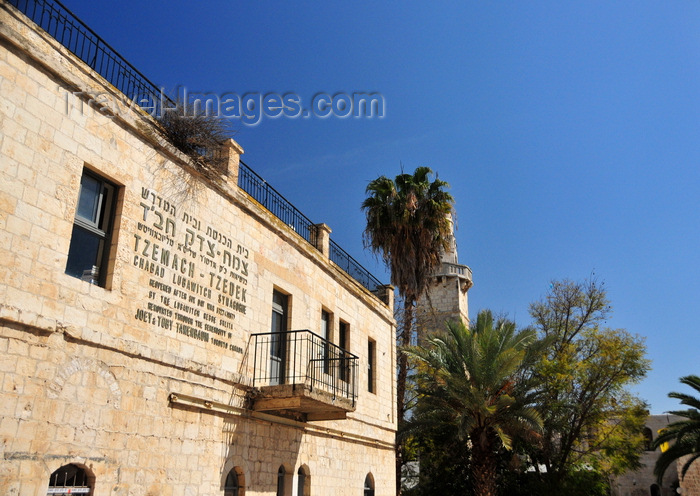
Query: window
[(234, 483), (344, 343), (648, 439), (69, 479), (302, 482), (371, 366), (325, 334), (89, 245), (278, 338), (369, 485), (280, 481)]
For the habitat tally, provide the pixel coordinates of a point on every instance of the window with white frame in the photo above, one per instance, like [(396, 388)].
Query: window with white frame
[(92, 228)]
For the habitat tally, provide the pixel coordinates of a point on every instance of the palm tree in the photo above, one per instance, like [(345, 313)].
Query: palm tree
[(473, 380), (683, 434), (407, 223)]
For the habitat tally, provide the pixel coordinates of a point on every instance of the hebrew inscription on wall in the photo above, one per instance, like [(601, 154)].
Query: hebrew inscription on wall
[(199, 274)]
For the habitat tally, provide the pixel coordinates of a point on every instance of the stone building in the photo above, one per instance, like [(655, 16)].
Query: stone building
[(690, 484), (446, 298), (642, 482), (166, 328)]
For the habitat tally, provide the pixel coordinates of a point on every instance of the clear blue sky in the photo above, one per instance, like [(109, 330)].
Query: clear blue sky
[(569, 132)]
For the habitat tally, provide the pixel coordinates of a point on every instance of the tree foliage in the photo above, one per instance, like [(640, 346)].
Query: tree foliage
[(683, 434), (407, 224), (590, 420), (470, 382)]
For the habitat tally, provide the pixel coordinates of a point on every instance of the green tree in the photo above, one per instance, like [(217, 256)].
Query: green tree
[(683, 434), (472, 382), (407, 224), (586, 409)]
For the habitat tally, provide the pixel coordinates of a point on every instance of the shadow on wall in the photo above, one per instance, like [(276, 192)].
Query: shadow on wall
[(260, 454)]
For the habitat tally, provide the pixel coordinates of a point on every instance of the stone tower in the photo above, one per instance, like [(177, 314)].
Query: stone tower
[(446, 297)]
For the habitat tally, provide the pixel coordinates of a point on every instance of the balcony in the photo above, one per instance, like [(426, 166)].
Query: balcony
[(299, 374), (462, 272)]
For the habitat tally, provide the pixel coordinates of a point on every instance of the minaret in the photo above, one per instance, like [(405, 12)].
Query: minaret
[(446, 297)]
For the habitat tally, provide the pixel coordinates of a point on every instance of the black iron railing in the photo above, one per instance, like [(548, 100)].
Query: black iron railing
[(304, 358), (341, 258), (59, 22), (250, 182)]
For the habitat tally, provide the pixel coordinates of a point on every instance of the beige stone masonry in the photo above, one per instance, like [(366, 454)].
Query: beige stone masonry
[(323, 238), (88, 373)]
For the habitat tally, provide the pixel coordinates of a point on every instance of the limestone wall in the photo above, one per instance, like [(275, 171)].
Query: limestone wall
[(690, 484), (640, 482), (87, 371)]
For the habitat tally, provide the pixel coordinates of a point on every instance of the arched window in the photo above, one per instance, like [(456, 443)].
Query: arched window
[(235, 483), (280, 481), (303, 482), (70, 479), (654, 490), (369, 485), (648, 439)]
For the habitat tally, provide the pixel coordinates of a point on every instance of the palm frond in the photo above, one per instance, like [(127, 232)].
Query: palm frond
[(684, 435)]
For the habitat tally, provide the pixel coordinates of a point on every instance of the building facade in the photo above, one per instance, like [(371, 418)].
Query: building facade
[(642, 482), (167, 328)]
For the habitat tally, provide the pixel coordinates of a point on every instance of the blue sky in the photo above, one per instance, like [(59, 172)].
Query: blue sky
[(569, 132)]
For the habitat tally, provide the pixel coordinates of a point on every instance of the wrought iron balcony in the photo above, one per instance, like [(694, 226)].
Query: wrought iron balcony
[(300, 374)]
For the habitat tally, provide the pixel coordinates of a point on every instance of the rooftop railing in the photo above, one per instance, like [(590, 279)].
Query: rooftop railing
[(250, 182), (64, 26), (59, 22), (341, 258)]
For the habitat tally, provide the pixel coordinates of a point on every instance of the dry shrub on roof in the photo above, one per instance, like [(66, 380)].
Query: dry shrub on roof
[(196, 133)]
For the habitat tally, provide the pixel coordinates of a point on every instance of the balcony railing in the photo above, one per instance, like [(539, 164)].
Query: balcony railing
[(303, 358), (448, 268), (64, 26)]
